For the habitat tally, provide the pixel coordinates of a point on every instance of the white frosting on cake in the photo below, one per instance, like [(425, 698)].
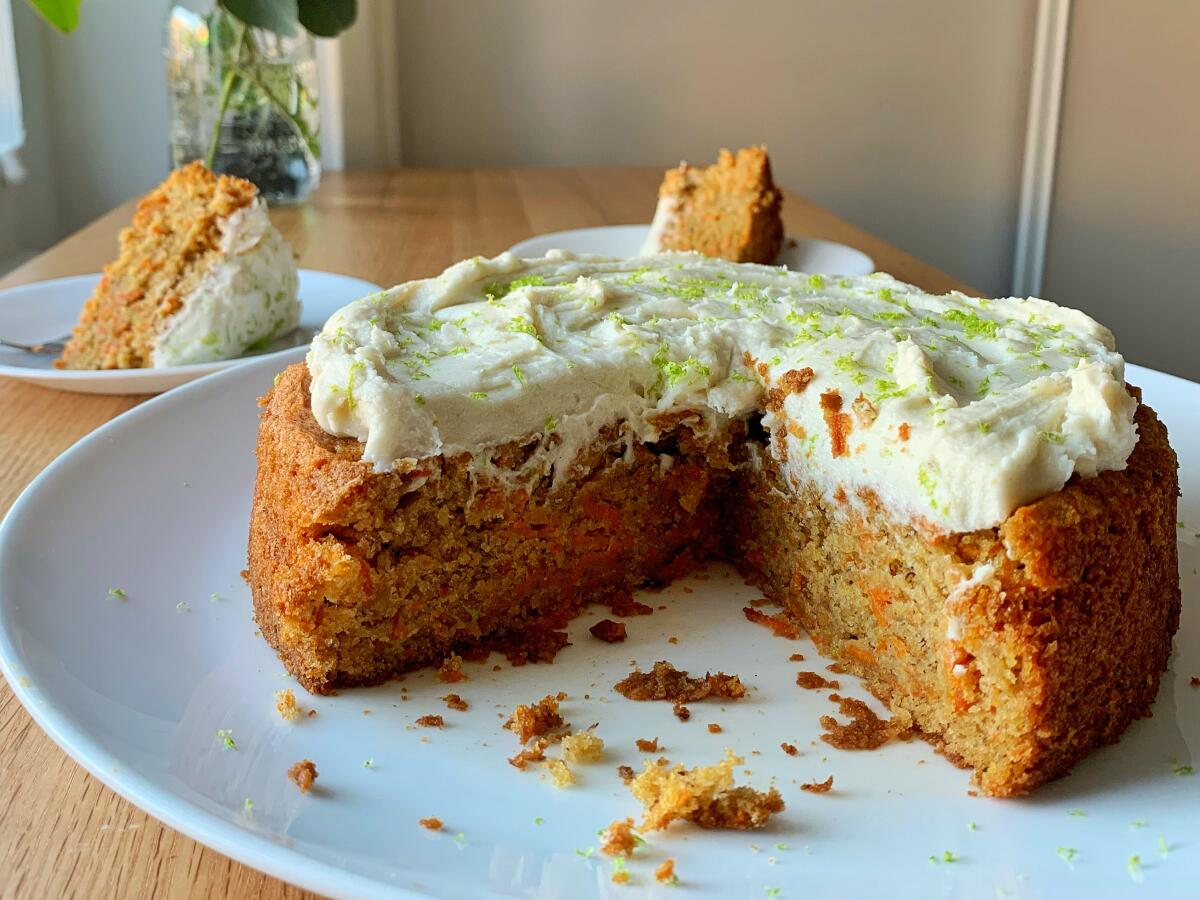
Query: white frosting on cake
[(665, 215), (960, 409), (246, 297)]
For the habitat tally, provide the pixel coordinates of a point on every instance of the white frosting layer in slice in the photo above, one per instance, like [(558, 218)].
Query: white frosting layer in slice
[(958, 410), (246, 298)]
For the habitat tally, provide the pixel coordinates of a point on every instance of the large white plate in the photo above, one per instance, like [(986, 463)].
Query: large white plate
[(47, 310), (799, 253), (156, 503)]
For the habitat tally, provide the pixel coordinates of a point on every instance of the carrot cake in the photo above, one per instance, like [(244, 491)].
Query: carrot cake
[(202, 275), (960, 499), (730, 209)]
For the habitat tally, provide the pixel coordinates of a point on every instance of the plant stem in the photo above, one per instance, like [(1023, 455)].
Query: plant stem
[(228, 84)]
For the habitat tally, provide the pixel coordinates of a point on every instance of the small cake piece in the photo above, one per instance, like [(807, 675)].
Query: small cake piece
[(705, 796), (433, 823), (201, 275), (431, 721), (665, 874), (583, 746), (455, 702), (561, 773), (619, 839), (303, 774), (865, 730), (536, 720), (647, 746), (730, 209), (285, 705), (534, 753), (818, 787), (608, 631), (665, 682)]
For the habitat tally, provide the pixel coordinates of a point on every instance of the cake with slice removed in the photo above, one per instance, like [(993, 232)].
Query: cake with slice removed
[(960, 499), (202, 275), (729, 209)]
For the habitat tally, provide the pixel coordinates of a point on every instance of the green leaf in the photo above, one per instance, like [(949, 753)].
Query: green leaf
[(62, 14), (327, 18), (279, 16)]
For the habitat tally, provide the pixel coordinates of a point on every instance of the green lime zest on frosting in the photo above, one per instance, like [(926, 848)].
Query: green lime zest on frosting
[(973, 324), (496, 291), (518, 374)]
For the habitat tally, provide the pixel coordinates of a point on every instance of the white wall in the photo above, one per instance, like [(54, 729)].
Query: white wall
[(1124, 241), (907, 118), (108, 112), (29, 219)]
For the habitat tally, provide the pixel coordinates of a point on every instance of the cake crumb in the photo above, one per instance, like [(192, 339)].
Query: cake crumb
[(560, 773), (779, 624), (625, 773), (303, 774), (583, 746), (761, 601), (431, 722), (619, 839), (837, 669), (432, 823), (609, 631), (796, 657), (665, 874), (311, 713), (665, 682), (818, 787), (451, 670), (1195, 681), (682, 713), (620, 877), (536, 753), (813, 682), (535, 720), (285, 705), (646, 746), (789, 749), (714, 728), (622, 604), (704, 795), (453, 701), (865, 730), (672, 640)]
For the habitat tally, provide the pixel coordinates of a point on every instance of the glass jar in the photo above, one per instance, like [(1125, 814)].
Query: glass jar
[(243, 99)]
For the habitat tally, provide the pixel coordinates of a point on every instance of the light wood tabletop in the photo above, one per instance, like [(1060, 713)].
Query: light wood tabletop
[(63, 833)]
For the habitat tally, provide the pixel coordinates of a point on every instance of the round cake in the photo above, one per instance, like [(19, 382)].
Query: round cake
[(960, 499)]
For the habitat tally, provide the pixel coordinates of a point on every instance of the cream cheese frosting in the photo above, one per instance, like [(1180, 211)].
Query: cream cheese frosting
[(953, 411), (246, 298)]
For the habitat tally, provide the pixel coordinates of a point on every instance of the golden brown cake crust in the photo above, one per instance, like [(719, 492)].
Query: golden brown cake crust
[(1018, 674), (171, 244), (730, 209)]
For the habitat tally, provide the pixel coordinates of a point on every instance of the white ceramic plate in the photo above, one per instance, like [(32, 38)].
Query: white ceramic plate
[(47, 310), (799, 254), (157, 502)]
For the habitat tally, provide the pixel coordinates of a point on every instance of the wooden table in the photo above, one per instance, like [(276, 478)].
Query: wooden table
[(61, 831)]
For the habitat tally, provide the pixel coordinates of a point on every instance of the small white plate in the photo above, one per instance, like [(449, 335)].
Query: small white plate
[(798, 254), (47, 310), (157, 502)]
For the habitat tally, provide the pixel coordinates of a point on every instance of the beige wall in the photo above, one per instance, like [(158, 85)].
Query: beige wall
[(907, 118), (1124, 240)]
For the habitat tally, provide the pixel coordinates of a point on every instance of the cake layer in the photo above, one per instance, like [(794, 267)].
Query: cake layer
[(952, 410), (1016, 649)]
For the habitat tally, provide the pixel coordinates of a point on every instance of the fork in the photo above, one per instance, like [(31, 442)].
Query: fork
[(52, 348)]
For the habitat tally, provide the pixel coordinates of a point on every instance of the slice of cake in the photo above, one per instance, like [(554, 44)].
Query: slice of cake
[(730, 209), (960, 499), (202, 275)]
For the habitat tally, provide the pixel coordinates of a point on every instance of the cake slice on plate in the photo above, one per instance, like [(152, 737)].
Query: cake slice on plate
[(730, 209), (201, 275)]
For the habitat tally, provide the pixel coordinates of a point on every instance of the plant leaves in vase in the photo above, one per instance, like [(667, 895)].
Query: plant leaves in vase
[(327, 18), (279, 16)]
